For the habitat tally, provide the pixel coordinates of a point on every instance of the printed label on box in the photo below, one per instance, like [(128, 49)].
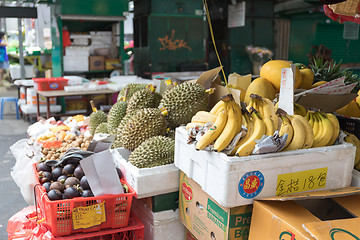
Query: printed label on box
[(251, 184), (90, 216), (217, 215), (301, 181), (187, 191)]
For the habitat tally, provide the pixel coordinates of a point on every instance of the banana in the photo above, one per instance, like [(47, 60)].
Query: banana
[(259, 130), (316, 126), (269, 111), (351, 138), (249, 124), (326, 129), (270, 128), (204, 117), (229, 131), (298, 139), (194, 124), (214, 131), (309, 134), (217, 107), (251, 104), (286, 128), (336, 125), (238, 117), (309, 119), (300, 109)]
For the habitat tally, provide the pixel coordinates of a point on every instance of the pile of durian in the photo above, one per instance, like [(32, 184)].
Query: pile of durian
[(143, 121)]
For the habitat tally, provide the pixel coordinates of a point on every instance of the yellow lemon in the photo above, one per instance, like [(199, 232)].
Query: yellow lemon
[(307, 76)]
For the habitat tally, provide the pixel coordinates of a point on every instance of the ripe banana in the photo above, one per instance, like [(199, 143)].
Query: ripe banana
[(286, 128), (259, 130), (270, 128), (217, 106), (229, 131), (309, 134), (351, 138), (336, 126), (298, 139), (269, 111), (316, 126), (326, 129), (214, 131), (238, 117), (299, 109), (203, 117), (249, 124)]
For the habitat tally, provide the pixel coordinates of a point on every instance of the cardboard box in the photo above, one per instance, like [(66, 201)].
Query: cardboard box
[(236, 181), (109, 63), (189, 235), (96, 63), (316, 215), (206, 219)]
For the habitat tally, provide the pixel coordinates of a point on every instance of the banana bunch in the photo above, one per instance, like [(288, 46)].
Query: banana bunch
[(351, 138), (267, 111), (325, 127), (226, 125), (298, 129), (201, 118), (298, 109)]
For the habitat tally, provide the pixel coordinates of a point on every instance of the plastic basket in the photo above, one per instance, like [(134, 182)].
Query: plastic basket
[(58, 214), (350, 125), (50, 84), (134, 231)]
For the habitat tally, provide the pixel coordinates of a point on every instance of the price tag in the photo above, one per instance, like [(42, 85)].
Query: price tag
[(286, 97), (90, 216), (301, 181)]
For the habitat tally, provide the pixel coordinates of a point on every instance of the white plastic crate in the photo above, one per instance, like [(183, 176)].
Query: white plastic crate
[(16, 74), (147, 182), (236, 181), (164, 225), (77, 51), (74, 64)]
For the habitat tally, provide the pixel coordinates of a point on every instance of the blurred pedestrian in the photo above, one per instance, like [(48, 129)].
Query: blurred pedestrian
[(4, 59)]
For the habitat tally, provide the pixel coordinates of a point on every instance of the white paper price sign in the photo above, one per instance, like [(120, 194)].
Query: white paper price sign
[(286, 98)]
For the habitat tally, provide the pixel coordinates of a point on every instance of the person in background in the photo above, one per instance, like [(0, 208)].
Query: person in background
[(4, 59)]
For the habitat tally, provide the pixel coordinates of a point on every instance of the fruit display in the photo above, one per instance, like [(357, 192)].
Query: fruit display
[(129, 90), (96, 117), (145, 98), (351, 109), (351, 138), (116, 113), (262, 87)]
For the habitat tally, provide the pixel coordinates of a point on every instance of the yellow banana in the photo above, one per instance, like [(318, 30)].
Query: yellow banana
[(327, 130), (298, 139), (251, 104), (238, 117), (336, 125), (286, 128), (309, 119), (316, 126), (351, 138), (259, 130), (214, 131), (204, 117), (250, 128), (300, 110), (217, 106), (229, 130), (309, 134), (269, 111), (270, 128), (191, 125)]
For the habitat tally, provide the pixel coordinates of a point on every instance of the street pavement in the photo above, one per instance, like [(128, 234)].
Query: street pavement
[(11, 130)]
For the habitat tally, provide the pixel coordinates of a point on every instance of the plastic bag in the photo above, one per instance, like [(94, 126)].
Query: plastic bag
[(23, 226), (26, 154)]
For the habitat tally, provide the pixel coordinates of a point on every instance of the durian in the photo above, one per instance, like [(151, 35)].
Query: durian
[(116, 113), (129, 90), (155, 151), (144, 98), (102, 128), (182, 102), (143, 124), (117, 143), (95, 119)]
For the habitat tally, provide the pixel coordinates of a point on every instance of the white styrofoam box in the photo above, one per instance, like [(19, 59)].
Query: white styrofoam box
[(355, 181), (31, 109), (76, 63), (75, 80), (147, 182), (31, 98), (15, 71), (77, 51), (236, 181), (164, 225)]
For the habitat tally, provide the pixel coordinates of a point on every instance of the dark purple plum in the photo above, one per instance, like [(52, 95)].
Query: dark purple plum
[(57, 172), (87, 193), (68, 169), (62, 178), (84, 183), (78, 172), (57, 185), (46, 185), (45, 177), (71, 181), (41, 166), (71, 192), (54, 194)]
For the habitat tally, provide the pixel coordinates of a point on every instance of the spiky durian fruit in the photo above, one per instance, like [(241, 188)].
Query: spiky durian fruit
[(102, 128), (182, 102), (129, 90), (144, 98), (143, 124), (95, 119), (155, 151), (116, 113)]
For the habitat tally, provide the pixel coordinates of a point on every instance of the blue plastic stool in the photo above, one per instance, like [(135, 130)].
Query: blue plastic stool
[(9, 99)]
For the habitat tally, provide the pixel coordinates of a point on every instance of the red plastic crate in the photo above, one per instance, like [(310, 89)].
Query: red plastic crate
[(50, 84), (58, 214), (134, 231)]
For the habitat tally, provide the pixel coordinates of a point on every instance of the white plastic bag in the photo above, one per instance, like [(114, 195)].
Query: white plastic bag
[(26, 154)]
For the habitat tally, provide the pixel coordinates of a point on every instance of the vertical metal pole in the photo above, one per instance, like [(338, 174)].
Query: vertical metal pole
[(21, 51)]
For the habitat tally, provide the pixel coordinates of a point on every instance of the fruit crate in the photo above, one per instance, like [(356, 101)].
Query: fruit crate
[(134, 231), (50, 84), (59, 214), (350, 125)]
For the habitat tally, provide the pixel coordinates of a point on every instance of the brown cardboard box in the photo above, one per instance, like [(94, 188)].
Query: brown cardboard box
[(109, 63), (318, 215), (96, 63), (206, 219)]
